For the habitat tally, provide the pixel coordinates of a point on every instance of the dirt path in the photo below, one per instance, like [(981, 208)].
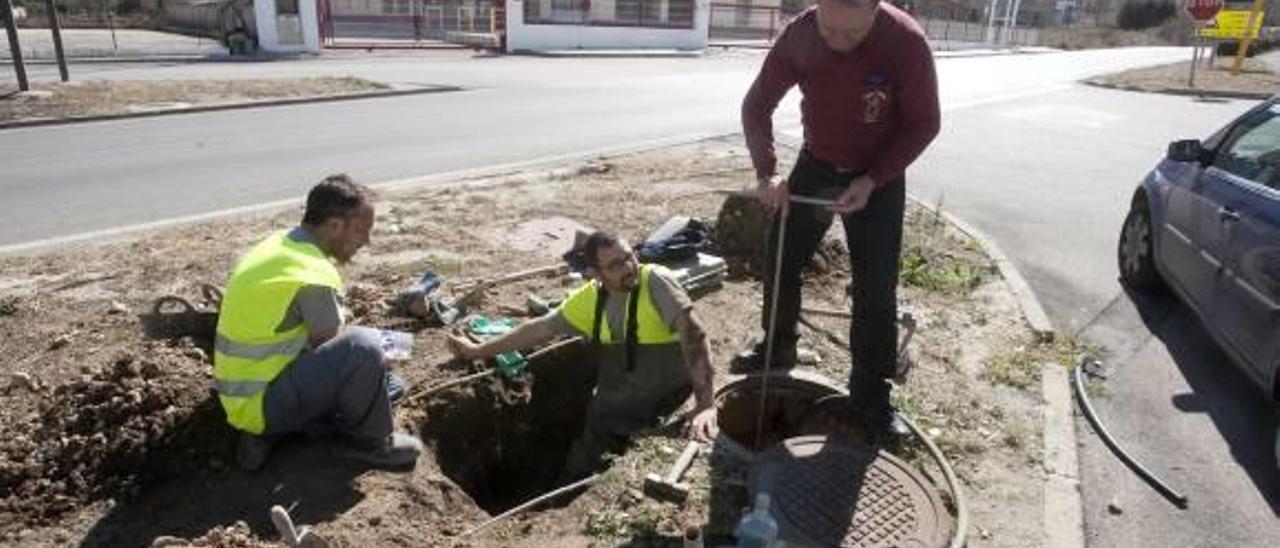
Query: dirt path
[(101, 97), (109, 438), (1255, 77)]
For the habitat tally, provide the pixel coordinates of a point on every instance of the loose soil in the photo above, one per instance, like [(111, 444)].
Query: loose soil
[(111, 436), (102, 97), (1254, 77)]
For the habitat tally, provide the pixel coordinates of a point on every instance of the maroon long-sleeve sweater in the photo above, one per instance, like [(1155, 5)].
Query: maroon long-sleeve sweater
[(872, 109)]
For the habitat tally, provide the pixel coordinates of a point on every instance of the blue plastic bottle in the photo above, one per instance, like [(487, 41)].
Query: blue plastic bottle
[(757, 529)]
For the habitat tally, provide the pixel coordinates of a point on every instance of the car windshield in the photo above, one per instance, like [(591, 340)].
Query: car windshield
[(1255, 152)]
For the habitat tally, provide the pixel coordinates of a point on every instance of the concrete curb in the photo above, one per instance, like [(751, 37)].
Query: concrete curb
[(1027, 301), (1063, 512), (613, 54), (227, 106), (1185, 92), (1063, 506)]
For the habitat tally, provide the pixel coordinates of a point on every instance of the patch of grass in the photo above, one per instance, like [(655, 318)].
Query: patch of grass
[(627, 513), (1020, 368), (939, 273), (8, 305), (937, 259)]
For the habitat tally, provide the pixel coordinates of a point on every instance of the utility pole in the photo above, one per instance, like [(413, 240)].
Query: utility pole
[(56, 28), (991, 21), (15, 50)]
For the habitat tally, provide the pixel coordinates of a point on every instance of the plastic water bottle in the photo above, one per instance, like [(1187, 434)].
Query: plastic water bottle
[(757, 529), (396, 345)]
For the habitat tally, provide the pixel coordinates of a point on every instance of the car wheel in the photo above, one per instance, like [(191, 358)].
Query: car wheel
[(1136, 254)]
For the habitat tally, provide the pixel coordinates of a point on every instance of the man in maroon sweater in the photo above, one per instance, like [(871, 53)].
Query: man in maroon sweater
[(869, 108)]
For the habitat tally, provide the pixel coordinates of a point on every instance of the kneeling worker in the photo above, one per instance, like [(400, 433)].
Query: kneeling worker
[(283, 361), (650, 348)]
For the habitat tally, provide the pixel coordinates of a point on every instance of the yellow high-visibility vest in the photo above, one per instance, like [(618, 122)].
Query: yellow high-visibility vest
[(248, 352), (579, 309)]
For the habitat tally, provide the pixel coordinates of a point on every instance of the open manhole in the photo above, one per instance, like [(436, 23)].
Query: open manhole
[(503, 454), (831, 491), (788, 409)]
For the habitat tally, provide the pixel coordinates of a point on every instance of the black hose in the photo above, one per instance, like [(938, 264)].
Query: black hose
[(1178, 499)]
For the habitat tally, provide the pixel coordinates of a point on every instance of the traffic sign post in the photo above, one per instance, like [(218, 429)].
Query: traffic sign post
[(1201, 13)]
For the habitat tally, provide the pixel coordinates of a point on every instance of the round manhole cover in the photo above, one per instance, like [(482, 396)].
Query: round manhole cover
[(829, 491)]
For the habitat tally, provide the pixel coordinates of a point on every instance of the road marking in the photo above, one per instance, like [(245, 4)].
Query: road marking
[(791, 131), (393, 185)]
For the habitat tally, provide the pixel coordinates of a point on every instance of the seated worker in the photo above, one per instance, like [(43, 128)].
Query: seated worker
[(650, 348), (283, 361)]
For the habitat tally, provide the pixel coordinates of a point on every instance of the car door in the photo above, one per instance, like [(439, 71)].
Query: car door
[(1190, 248), (1244, 182)]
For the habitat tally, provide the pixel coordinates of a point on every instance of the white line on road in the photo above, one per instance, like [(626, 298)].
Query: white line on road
[(393, 185), (438, 178)]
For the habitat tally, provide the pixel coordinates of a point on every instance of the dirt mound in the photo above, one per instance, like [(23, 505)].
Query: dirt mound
[(236, 535), (119, 427)]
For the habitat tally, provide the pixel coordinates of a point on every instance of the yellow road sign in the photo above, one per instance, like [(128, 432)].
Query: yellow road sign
[(1230, 24)]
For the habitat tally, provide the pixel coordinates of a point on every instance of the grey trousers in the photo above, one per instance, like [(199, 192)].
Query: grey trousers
[(626, 402), (339, 387)]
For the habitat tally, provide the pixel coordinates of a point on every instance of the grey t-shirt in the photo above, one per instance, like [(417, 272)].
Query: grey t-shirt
[(316, 306), (668, 298)]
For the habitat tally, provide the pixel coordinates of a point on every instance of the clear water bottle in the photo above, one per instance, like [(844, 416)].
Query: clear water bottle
[(758, 528), (396, 345)]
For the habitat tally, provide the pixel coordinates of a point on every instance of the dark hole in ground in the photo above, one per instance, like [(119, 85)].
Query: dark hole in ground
[(503, 455), (789, 408)]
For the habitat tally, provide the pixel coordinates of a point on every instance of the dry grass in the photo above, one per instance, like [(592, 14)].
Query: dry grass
[(1255, 77), (96, 98)]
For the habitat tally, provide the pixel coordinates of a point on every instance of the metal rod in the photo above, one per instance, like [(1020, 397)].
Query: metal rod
[(56, 28), (15, 49), (795, 198), (773, 324), (533, 502), (450, 384), (1178, 499)]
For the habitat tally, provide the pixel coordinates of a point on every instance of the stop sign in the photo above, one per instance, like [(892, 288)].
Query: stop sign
[(1202, 10)]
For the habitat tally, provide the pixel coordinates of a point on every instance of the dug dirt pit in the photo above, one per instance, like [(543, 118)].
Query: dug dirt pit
[(504, 454)]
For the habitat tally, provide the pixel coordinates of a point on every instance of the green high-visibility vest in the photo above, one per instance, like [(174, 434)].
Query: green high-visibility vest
[(249, 353), (579, 309)]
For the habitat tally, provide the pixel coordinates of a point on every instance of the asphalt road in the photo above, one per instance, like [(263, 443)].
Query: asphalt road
[(67, 180), (1050, 180)]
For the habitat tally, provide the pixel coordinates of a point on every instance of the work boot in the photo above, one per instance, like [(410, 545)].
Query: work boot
[(252, 450), (752, 359), (887, 430), (395, 452)]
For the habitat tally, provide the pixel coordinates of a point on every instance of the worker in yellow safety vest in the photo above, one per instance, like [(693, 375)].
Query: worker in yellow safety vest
[(651, 349), (284, 362)]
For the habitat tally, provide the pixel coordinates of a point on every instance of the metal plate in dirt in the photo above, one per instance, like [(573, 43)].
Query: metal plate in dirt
[(835, 492)]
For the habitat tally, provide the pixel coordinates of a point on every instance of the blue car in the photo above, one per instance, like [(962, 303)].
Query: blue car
[(1206, 224)]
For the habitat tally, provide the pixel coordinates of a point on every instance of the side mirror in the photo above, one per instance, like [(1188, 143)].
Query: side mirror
[(1189, 150)]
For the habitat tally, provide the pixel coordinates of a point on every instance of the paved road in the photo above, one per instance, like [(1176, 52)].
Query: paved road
[(1050, 180), (60, 181)]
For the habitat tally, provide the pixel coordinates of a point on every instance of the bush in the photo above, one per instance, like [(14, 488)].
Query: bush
[(1145, 14)]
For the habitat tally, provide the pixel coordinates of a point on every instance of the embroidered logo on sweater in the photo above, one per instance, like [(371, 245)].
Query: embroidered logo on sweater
[(875, 98), (873, 103)]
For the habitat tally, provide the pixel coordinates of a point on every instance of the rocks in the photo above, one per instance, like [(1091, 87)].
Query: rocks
[(118, 308), (59, 342), (23, 381), (109, 433)]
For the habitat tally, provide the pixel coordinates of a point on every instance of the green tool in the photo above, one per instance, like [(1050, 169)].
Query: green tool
[(511, 365)]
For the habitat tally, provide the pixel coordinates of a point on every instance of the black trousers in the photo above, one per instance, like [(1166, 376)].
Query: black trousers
[(874, 237)]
